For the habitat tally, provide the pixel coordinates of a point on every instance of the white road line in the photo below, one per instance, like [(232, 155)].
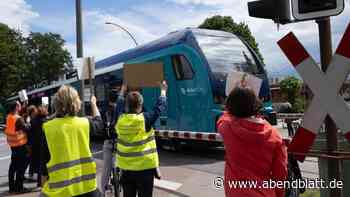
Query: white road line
[(98, 152), (168, 185), (9, 156), (5, 157)]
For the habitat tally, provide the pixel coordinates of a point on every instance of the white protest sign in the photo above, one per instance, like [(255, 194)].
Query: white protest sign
[(87, 94), (237, 79), (45, 101), (23, 95)]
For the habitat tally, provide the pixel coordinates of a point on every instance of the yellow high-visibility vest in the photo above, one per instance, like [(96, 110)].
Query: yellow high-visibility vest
[(72, 170), (136, 148)]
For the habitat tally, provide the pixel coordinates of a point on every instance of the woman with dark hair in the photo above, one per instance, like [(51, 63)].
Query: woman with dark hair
[(32, 112), (37, 135), (254, 149)]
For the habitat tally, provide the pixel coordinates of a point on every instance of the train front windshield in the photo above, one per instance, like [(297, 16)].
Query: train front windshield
[(224, 55), (227, 54)]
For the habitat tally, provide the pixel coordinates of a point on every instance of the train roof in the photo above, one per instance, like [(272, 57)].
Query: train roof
[(114, 62), (172, 39)]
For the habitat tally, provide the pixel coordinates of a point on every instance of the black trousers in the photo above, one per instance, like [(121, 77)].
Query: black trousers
[(95, 193), (17, 168), (138, 183)]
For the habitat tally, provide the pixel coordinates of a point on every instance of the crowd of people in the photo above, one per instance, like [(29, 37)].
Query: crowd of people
[(57, 148), (24, 136)]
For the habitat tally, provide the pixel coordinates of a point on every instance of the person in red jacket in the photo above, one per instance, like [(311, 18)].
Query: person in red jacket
[(254, 149)]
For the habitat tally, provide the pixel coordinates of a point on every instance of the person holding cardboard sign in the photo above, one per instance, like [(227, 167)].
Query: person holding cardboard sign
[(136, 146)]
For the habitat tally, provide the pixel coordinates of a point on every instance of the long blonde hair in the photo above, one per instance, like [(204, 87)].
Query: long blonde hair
[(66, 102)]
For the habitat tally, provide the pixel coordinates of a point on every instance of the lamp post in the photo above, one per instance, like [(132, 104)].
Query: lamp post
[(124, 29), (79, 32)]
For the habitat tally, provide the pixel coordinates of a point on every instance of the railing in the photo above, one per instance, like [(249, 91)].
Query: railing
[(290, 115)]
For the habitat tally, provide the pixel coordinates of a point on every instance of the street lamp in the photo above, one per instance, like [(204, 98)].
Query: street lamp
[(122, 28)]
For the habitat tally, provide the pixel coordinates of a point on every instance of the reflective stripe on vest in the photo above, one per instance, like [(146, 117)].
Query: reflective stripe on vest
[(68, 164), (136, 148), (66, 183), (14, 138), (72, 170), (137, 154)]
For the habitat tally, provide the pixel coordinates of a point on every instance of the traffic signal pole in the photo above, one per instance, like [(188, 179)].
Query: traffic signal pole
[(325, 36)]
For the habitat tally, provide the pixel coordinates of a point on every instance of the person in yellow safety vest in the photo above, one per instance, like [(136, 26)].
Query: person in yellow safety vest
[(70, 166), (17, 140), (137, 155)]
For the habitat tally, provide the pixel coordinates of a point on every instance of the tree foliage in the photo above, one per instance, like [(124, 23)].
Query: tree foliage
[(226, 23), (49, 59), (291, 87), (13, 61), (25, 61)]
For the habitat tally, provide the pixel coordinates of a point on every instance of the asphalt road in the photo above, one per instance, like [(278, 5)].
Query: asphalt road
[(190, 172)]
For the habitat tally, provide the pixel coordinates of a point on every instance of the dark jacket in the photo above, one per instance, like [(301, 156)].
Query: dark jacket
[(36, 139)]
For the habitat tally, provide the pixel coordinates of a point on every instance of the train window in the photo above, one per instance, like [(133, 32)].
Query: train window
[(182, 67), (227, 54)]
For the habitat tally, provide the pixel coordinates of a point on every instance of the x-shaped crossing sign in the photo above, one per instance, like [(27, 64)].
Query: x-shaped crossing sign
[(325, 86)]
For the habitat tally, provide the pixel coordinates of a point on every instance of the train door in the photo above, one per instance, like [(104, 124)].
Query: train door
[(190, 93)]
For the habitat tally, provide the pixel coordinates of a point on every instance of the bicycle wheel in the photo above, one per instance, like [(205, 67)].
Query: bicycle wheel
[(116, 182)]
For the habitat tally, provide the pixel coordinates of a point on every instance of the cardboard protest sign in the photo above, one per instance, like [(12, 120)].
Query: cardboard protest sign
[(85, 67), (22, 95), (240, 79), (143, 75)]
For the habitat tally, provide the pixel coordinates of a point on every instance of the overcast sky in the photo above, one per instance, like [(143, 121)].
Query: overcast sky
[(151, 19)]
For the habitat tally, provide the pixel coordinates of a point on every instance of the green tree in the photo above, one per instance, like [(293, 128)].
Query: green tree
[(48, 57), (291, 87), (31, 60), (13, 61), (226, 23)]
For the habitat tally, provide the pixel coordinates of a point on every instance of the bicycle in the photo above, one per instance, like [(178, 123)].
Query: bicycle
[(294, 172), (115, 174)]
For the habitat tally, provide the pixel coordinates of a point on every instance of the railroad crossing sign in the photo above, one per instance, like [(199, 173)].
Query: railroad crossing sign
[(325, 86)]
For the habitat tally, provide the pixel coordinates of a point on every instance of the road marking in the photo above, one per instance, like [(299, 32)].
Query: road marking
[(168, 185), (9, 156), (98, 152), (5, 157)]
